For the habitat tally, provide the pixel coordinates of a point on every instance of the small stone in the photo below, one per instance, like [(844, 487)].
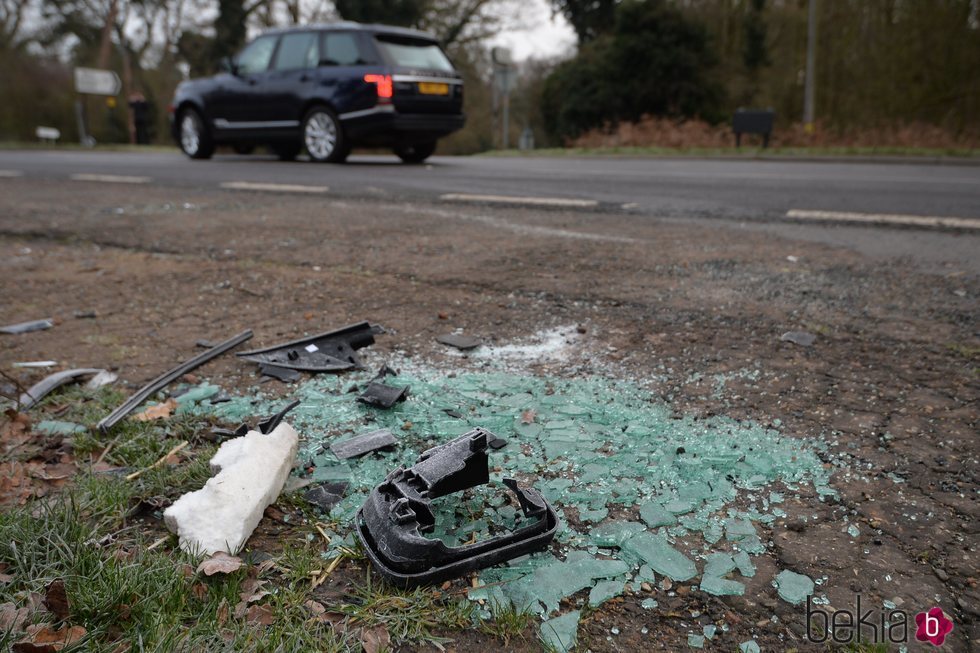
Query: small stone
[(646, 587)]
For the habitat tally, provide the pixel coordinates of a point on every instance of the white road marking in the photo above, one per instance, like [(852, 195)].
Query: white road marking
[(274, 188), (511, 199), (111, 179), (10, 174), (885, 218)]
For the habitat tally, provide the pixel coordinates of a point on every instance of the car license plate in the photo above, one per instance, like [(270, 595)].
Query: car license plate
[(432, 88)]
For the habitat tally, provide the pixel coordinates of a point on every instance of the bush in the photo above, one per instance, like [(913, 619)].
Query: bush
[(655, 62)]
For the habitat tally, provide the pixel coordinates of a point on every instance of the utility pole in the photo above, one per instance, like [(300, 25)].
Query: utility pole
[(503, 78), (811, 66)]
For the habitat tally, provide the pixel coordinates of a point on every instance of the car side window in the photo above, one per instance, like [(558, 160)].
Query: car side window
[(297, 51), (341, 49), (256, 56)]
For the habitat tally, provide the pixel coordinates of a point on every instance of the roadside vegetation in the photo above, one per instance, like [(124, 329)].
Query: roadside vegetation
[(85, 560)]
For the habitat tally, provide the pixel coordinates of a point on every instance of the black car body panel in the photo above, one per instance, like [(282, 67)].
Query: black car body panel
[(278, 77)]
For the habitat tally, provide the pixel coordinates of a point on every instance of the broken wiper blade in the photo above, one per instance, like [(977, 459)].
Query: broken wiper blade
[(333, 351), (392, 521), (164, 379)]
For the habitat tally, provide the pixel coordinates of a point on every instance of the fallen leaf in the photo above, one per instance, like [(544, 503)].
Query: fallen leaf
[(42, 638), (200, 591), (5, 578), (527, 417), (221, 615), (159, 411), (316, 608), (337, 620), (220, 563), (12, 618), (56, 599), (261, 615), (265, 566), (375, 639), (252, 590)]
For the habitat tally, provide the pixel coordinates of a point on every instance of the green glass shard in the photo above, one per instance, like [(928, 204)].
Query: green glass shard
[(721, 586), (695, 640), (793, 587), (648, 604), (662, 558), (655, 515), (614, 533), (198, 394), (739, 529), (749, 647), (744, 564), (605, 590), (559, 634), (709, 631), (55, 427), (718, 564)]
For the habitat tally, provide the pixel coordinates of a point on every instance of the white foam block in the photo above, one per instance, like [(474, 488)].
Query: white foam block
[(250, 473)]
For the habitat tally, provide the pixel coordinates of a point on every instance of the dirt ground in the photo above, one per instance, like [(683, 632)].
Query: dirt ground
[(893, 378)]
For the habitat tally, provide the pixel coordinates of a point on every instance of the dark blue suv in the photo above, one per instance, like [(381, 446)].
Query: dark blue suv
[(324, 89)]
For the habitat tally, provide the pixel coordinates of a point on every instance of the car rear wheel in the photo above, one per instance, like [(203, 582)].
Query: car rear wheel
[(323, 136), (416, 153), (195, 139)]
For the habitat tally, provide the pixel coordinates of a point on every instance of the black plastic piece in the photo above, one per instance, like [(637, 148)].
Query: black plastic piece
[(459, 341), (334, 351), (284, 374), (392, 521), (164, 379), (326, 495), (269, 424), (362, 444), (381, 395)]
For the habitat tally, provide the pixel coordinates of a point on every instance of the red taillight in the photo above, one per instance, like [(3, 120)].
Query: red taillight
[(383, 84)]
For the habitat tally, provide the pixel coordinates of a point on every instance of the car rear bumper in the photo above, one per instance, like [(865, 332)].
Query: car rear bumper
[(382, 125)]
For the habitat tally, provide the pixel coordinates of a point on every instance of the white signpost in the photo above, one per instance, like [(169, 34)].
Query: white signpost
[(93, 81)]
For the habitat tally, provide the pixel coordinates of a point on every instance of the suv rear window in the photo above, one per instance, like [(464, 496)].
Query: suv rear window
[(413, 53)]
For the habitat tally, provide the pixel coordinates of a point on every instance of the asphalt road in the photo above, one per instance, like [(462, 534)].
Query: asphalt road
[(740, 189)]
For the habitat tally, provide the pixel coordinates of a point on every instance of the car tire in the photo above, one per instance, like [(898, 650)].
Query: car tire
[(416, 153), (195, 137), (287, 151), (323, 136), (243, 148)]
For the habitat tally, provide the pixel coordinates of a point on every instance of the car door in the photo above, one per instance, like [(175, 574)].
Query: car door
[(241, 100), (291, 80), (345, 57)]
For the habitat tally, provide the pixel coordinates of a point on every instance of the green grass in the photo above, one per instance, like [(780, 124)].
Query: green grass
[(68, 145), (744, 153)]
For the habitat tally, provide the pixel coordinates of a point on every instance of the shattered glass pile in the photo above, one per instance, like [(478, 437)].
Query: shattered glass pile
[(641, 494)]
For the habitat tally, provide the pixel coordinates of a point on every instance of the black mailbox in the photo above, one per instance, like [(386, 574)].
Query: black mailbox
[(753, 121)]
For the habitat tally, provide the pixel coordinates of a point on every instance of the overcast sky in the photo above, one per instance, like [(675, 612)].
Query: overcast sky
[(545, 36)]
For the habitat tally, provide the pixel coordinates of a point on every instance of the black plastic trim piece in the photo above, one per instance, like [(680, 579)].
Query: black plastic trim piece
[(397, 512), (333, 351), (166, 378)]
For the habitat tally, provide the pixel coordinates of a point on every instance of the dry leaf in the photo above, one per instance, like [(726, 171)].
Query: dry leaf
[(222, 613), (5, 578), (200, 591), (527, 417), (160, 411), (376, 639), (252, 590), (240, 609), (12, 618), (261, 615), (56, 599), (316, 608), (220, 563), (265, 566), (42, 638)]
